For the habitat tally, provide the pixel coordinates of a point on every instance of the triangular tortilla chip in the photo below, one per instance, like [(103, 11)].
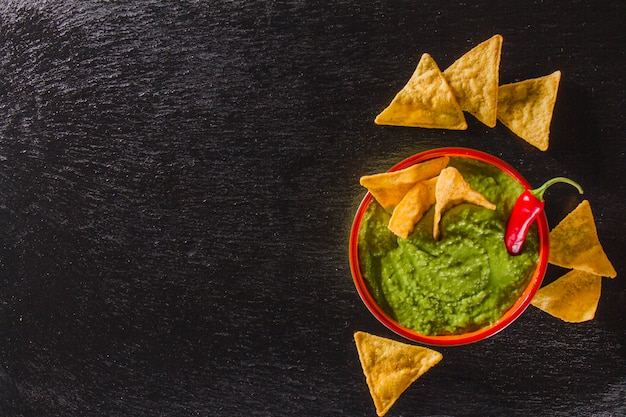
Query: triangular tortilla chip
[(474, 80), (412, 208), (526, 108), (388, 188), (390, 367), (573, 297), (574, 244), (425, 101), (451, 189)]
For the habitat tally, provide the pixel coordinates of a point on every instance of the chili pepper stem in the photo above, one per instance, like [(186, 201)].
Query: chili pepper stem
[(538, 192)]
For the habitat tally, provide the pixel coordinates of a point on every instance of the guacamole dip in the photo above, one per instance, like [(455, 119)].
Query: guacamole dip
[(462, 282)]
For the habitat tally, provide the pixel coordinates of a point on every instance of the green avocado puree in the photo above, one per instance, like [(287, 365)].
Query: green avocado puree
[(464, 281)]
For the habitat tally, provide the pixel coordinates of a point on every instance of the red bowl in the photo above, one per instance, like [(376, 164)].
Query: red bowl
[(474, 336)]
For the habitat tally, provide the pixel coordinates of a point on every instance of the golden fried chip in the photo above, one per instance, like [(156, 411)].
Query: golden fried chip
[(573, 297), (574, 244), (389, 188), (425, 101), (390, 367), (412, 207), (474, 80), (526, 108), (451, 189)]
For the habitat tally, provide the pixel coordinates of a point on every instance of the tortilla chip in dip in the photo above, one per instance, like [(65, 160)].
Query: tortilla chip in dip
[(451, 189), (390, 367), (412, 208), (389, 188), (425, 101), (574, 244), (526, 108), (474, 80), (573, 297)]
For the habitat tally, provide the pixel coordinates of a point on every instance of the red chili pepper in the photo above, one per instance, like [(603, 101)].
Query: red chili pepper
[(527, 207)]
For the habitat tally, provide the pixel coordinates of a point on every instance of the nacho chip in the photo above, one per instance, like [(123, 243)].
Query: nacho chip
[(389, 188), (526, 108), (425, 101), (474, 80), (390, 367), (573, 297), (574, 244), (412, 208), (452, 189)]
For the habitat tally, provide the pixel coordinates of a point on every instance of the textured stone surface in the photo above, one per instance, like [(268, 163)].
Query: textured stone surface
[(177, 185)]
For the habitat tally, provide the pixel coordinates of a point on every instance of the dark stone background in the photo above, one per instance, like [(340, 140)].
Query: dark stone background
[(177, 185)]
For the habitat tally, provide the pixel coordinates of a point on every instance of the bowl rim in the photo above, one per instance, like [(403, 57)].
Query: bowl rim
[(450, 340)]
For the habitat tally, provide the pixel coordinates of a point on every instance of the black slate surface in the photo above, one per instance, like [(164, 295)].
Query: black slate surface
[(177, 185)]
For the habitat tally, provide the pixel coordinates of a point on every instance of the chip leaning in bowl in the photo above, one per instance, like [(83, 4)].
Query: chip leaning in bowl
[(460, 280)]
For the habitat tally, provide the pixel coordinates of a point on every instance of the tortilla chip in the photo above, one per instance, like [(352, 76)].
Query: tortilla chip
[(526, 108), (390, 367), (389, 188), (573, 297), (425, 101), (574, 244), (412, 208), (452, 189), (474, 80)]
